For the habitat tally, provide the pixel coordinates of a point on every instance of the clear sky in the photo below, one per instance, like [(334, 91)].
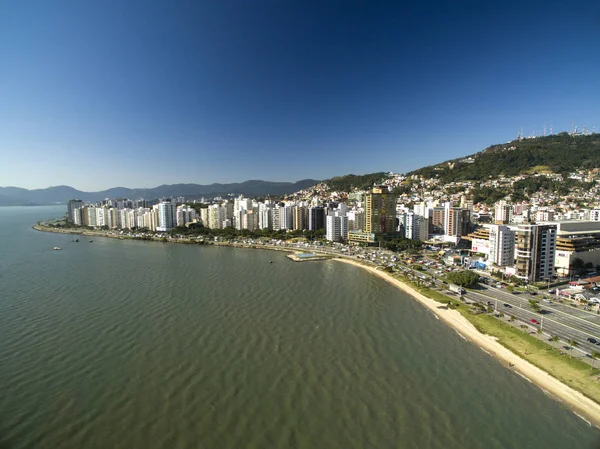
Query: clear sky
[(142, 93)]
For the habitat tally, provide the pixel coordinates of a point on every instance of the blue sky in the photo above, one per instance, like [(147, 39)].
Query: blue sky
[(143, 93)]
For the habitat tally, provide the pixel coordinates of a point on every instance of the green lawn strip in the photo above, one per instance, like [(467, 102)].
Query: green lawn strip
[(567, 369)]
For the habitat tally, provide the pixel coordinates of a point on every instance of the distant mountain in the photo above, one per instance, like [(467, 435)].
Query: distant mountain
[(560, 153), (15, 196)]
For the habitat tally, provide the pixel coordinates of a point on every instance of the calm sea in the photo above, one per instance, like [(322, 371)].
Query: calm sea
[(122, 344)]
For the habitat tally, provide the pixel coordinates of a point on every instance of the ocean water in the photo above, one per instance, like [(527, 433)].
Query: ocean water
[(124, 344)]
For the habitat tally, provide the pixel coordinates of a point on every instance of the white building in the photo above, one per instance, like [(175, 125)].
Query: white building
[(276, 217), (416, 227), (595, 215), (185, 214), (286, 217), (356, 220), (503, 212), (336, 224), (167, 215), (265, 215), (544, 215), (216, 216), (501, 245), (91, 216)]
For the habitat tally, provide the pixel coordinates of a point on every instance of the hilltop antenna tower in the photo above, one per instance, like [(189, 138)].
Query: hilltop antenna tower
[(550, 128), (544, 129)]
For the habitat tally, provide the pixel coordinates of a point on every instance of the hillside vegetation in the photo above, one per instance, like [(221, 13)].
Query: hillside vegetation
[(561, 153), (348, 183)]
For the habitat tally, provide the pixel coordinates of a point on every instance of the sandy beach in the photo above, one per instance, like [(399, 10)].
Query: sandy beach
[(572, 399)]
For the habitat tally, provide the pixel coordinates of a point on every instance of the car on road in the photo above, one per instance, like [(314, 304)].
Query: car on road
[(592, 340), (507, 305), (534, 321), (547, 300)]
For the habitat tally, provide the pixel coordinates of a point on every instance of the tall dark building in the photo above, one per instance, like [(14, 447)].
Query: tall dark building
[(316, 218), (72, 207)]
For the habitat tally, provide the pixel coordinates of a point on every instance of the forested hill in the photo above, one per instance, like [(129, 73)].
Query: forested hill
[(347, 183), (560, 153)]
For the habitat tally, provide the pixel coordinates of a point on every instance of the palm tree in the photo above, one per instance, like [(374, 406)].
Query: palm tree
[(572, 344), (554, 339), (595, 355)]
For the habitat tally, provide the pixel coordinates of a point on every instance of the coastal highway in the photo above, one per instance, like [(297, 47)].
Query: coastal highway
[(547, 322), (547, 311), (552, 321), (550, 305)]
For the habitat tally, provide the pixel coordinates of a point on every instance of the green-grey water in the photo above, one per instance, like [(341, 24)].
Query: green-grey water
[(124, 344)]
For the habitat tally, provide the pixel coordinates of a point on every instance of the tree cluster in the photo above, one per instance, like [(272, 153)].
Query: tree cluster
[(232, 233), (401, 244), (463, 278), (348, 183)]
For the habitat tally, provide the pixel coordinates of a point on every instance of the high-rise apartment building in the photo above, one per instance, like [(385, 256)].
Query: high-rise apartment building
[(438, 221), (276, 213), (316, 218), (536, 245), (204, 216), (502, 245), (466, 203), (185, 214), (215, 216), (458, 221), (167, 215), (503, 212), (356, 220), (74, 208), (336, 228), (414, 227), (380, 212), (300, 218), (380, 217), (286, 217), (265, 215)]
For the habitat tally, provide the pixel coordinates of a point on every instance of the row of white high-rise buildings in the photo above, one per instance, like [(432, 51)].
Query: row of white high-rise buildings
[(241, 213), (161, 217)]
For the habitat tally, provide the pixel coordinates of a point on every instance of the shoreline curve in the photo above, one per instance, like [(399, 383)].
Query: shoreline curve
[(578, 403)]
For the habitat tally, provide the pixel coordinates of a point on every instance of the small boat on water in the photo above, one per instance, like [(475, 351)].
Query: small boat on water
[(270, 261), (57, 248), (91, 241)]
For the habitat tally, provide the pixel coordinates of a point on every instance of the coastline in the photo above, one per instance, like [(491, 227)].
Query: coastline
[(577, 402), (572, 399)]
